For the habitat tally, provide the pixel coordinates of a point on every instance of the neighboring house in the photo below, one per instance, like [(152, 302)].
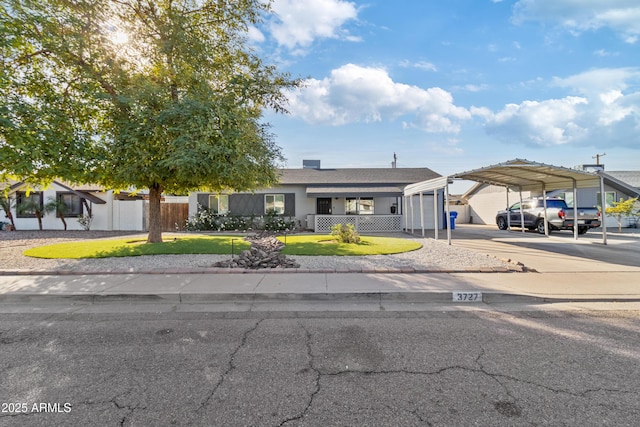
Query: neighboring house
[(317, 198), (108, 210), (485, 200)]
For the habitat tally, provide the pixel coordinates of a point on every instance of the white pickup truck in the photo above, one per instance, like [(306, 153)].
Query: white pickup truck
[(560, 216)]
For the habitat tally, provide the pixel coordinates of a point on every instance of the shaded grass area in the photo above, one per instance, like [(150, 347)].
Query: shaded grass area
[(137, 247), (323, 245)]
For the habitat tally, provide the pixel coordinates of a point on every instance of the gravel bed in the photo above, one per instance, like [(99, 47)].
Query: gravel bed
[(433, 255)]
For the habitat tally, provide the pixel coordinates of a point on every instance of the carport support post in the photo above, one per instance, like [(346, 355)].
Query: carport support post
[(575, 210), (435, 213), (404, 212), (448, 221), (412, 220), (521, 209), (421, 214), (544, 204), (603, 201), (508, 211)]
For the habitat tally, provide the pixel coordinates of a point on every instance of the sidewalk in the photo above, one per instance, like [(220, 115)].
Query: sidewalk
[(416, 287), (558, 269)]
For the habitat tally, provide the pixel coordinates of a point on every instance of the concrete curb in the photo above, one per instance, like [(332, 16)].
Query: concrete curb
[(516, 268), (352, 297)]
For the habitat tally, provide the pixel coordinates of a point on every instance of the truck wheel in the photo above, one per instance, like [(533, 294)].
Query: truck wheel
[(502, 223), (540, 226), (583, 230)]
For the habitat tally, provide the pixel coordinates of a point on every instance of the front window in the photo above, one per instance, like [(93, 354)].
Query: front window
[(27, 206), (72, 202), (219, 204), (361, 206), (609, 197), (274, 203)]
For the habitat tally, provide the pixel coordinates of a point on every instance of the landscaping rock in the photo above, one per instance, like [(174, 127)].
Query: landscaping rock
[(264, 253)]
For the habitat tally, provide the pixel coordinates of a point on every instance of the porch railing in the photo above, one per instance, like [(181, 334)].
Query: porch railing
[(362, 223)]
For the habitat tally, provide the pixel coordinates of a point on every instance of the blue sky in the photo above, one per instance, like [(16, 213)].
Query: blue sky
[(455, 85)]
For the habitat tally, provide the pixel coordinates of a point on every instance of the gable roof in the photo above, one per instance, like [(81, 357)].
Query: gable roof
[(83, 194), (356, 176), (631, 178)]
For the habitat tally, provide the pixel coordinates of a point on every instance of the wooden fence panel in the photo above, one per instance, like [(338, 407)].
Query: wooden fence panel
[(172, 214)]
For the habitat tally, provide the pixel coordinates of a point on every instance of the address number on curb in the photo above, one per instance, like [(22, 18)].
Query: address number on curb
[(467, 296)]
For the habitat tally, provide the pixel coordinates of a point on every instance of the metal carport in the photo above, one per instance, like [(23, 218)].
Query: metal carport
[(522, 175)]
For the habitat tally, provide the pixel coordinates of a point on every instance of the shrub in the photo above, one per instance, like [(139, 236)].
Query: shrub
[(345, 233), (204, 220), (275, 222), (208, 220), (234, 223), (85, 221)]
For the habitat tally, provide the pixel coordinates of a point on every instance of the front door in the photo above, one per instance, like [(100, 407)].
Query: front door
[(323, 206)]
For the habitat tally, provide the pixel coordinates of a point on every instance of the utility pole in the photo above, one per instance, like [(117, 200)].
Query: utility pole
[(597, 157), (394, 164)]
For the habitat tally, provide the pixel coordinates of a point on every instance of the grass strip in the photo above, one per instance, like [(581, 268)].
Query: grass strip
[(136, 247), (324, 245)]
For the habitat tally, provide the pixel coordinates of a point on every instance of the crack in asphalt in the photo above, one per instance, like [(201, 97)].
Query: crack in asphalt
[(318, 375), (114, 401), (231, 366), (508, 408)]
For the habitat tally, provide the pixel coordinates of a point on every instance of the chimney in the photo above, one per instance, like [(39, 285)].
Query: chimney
[(311, 164)]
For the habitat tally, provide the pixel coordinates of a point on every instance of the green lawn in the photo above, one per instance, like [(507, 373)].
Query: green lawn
[(136, 247), (314, 244)]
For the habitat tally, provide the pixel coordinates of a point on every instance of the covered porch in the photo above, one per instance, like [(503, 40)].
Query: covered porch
[(370, 209), (362, 223)]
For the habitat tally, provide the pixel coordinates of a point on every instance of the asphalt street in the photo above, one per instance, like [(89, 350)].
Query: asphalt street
[(403, 368)]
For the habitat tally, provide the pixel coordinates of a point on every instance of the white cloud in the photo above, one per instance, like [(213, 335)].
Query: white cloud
[(422, 65), (471, 88), (476, 88), (544, 123), (622, 16), (354, 94), (604, 53), (599, 80), (255, 35), (298, 23), (606, 112), (449, 147)]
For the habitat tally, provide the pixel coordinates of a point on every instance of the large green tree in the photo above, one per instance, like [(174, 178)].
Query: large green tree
[(163, 95)]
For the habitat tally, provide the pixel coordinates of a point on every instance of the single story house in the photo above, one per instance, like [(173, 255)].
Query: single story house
[(108, 210), (485, 200), (317, 198)]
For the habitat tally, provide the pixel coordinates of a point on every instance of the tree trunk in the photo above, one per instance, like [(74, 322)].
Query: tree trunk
[(155, 224), (10, 216), (63, 222), (39, 216)]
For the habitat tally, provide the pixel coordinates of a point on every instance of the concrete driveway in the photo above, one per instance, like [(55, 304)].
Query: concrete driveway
[(559, 252)]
